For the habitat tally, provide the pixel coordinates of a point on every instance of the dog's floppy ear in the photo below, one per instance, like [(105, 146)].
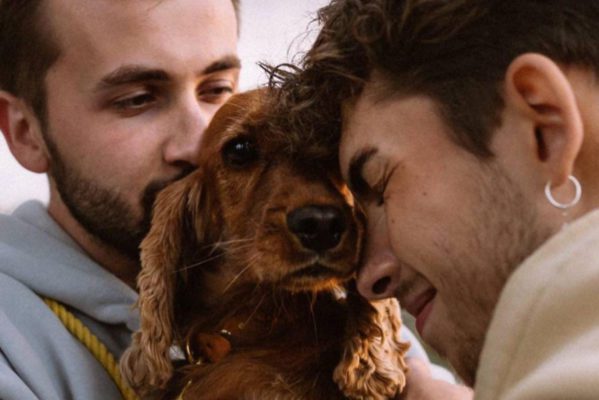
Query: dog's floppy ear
[(146, 364), (372, 364)]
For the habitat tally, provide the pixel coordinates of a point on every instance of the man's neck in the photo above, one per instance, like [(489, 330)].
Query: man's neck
[(117, 263)]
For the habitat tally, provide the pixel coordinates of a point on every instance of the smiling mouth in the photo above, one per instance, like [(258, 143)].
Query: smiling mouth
[(421, 308)]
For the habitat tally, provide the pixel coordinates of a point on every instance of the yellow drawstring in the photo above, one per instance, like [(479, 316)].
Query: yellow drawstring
[(180, 397), (93, 344)]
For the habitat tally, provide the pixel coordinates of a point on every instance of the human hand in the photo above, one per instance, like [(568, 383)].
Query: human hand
[(422, 386)]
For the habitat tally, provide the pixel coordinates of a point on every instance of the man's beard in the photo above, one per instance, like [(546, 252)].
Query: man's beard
[(102, 211), (506, 230)]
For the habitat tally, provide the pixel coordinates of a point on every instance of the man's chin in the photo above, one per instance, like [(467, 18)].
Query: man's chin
[(456, 347), (464, 361), (112, 222)]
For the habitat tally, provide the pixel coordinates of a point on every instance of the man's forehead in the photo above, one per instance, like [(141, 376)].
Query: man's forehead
[(99, 36), (103, 16), (352, 136), (374, 122), (96, 6), (356, 112), (373, 93)]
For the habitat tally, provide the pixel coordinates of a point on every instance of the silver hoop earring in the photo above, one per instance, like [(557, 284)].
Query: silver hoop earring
[(565, 206)]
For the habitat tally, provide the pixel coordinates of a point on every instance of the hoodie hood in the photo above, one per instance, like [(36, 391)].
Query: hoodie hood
[(58, 268)]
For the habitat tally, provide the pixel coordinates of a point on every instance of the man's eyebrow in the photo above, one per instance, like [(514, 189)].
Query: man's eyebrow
[(227, 62), (130, 74), (356, 183)]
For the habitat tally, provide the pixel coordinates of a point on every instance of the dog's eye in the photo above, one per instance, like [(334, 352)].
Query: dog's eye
[(240, 151)]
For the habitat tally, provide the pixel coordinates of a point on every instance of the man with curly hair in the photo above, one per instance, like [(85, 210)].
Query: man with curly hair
[(468, 131)]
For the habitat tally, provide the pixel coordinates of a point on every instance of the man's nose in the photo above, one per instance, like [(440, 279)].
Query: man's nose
[(188, 126), (379, 276)]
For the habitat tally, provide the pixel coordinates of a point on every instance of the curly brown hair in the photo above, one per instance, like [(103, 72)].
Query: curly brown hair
[(456, 52)]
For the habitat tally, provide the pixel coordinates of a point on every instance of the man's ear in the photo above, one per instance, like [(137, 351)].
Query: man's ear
[(23, 134), (538, 88)]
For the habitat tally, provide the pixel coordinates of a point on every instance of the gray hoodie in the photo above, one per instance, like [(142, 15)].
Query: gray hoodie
[(39, 358)]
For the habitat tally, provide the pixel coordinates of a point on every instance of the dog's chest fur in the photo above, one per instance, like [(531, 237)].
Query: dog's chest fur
[(292, 341)]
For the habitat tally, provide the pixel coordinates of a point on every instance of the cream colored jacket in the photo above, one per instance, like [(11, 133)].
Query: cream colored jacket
[(543, 342)]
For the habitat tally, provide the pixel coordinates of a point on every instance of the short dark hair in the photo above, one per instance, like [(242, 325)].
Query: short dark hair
[(455, 52), (28, 49)]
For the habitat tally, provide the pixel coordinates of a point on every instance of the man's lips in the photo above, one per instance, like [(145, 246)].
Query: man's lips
[(420, 307)]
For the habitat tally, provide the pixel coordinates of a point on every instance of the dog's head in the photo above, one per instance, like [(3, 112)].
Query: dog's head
[(264, 207)]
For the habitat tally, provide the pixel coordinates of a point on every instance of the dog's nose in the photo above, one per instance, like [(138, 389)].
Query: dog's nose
[(318, 228)]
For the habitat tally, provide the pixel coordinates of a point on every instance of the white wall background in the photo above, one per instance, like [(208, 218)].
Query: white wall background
[(271, 30)]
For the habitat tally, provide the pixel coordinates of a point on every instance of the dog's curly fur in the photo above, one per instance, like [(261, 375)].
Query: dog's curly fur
[(220, 253)]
